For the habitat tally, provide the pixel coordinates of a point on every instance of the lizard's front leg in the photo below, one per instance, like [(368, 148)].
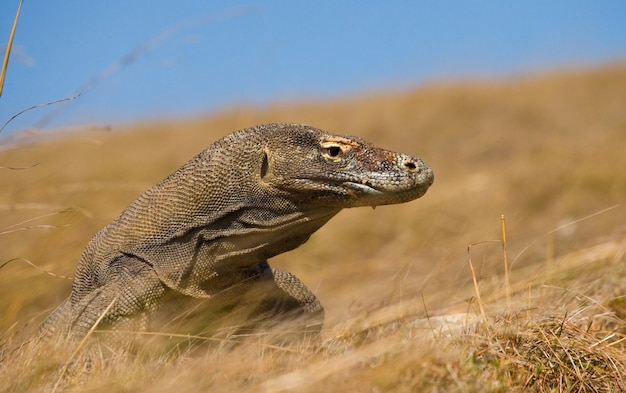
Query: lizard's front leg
[(282, 297), (131, 289)]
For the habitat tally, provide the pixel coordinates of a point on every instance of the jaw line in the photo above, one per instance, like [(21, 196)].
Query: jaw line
[(364, 188)]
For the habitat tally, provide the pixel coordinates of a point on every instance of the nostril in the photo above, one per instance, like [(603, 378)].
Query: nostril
[(410, 165)]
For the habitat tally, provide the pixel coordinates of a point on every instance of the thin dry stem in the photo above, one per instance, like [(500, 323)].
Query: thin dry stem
[(7, 53), (14, 227), (481, 305), (36, 267), (507, 280), (36, 106)]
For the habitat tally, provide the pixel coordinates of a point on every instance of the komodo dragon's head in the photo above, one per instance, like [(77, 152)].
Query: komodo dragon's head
[(341, 171)]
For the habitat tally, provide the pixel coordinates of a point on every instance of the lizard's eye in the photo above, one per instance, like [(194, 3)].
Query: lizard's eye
[(333, 151)]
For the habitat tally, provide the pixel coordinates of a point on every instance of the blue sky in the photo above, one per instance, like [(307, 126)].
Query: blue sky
[(197, 56)]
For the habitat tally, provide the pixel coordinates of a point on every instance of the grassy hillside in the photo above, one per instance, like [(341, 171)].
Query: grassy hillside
[(402, 310)]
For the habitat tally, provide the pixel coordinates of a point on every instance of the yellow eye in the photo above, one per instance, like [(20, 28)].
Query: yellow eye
[(333, 151)]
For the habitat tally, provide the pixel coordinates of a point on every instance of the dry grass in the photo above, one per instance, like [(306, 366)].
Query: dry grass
[(402, 311), (7, 52)]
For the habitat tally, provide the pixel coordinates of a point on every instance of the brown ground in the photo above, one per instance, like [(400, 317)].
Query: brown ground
[(547, 151)]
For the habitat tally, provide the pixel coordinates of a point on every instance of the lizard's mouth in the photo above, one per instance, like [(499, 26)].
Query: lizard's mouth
[(363, 187), (368, 189), (365, 192)]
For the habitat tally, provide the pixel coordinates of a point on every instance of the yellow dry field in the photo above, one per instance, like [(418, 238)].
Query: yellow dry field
[(403, 312)]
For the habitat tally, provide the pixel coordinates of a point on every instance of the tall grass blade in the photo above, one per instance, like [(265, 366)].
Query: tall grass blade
[(5, 63)]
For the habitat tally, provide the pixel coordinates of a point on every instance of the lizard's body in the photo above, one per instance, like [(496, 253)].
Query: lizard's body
[(208, 229)]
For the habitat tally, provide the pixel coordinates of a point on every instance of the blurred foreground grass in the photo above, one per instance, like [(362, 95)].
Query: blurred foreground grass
[(547, 151)]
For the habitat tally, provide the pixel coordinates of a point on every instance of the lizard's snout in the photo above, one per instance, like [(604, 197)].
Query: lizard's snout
[(418, 168)]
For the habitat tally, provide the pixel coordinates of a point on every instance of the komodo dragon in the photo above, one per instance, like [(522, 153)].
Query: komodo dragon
[(208, 229)]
